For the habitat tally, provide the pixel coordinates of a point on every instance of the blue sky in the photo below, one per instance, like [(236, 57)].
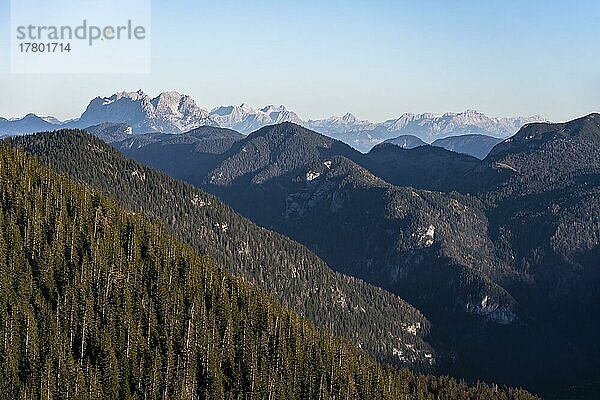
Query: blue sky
[(376, 59)]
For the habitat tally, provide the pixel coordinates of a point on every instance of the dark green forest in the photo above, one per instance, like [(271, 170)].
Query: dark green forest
[(97, 302), (376, 320)]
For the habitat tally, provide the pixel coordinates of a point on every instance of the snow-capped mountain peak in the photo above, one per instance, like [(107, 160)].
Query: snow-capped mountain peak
[(348, 118), (246, 119), (234, 112), (430, 127), (335, 125), (52, 120), (169, 112), (271, 109), (134, 96)]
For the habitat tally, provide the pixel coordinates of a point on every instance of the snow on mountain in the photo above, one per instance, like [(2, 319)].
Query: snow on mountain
[(339, 125), (169, 112), (172, 112), (429, 127), (348, 129), (281, 114), (51, 120), (246, 119)]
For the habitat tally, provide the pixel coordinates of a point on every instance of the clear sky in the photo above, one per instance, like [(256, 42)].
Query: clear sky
[(376, 59)]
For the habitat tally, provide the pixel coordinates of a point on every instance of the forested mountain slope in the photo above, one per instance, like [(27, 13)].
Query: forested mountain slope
[(261, 167), (525, 224), (542, 157), (188, 156), (475, 145), (430, 246), (96, 302), (541, 190), (380, 322), (423, 167)]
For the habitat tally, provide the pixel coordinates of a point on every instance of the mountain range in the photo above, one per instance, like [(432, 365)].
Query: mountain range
[(28, 124), (472, 254), (428, 127), (172, 112), (102, 302), (169, 112), (490, 261), (246, 119), (499, 254)]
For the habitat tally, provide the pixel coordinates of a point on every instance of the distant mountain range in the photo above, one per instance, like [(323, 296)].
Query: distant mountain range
[(475, 145), (28, 124), (246, 119), (363, 135), (172, 112)]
